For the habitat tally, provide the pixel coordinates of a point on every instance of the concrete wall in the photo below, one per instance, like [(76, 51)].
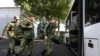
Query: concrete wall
[(6, 15)]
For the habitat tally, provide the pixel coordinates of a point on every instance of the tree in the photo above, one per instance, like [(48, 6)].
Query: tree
[(47, 8)]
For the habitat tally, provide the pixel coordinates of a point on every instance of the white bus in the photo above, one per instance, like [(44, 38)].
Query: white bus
[(83, 25)]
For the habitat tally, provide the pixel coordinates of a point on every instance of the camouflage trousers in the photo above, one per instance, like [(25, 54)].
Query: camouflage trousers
[(49, 47), (25, 43), (11, 43)]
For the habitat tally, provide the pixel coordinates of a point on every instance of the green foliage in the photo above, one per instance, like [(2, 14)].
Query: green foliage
[(47, 8)]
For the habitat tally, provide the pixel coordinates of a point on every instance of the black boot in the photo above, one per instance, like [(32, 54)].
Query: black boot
[(43, 52), (29, 55), (13, 52), (15, 55), (49, 55), (9, 52)]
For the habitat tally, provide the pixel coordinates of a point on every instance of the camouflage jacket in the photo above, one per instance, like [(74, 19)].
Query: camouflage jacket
[(27, 32), (9, 29), (50, 29)]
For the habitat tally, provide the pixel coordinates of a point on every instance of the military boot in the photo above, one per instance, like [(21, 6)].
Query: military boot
[(13, 52), (30, 55), (9, 52), (15, 55), (44, 52)]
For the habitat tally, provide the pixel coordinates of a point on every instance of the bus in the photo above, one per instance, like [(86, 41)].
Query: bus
[(82, 25)]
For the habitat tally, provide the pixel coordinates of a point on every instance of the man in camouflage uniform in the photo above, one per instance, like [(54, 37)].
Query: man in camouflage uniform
[(40, 30), (9, 30), (49, 35), (27, 36)]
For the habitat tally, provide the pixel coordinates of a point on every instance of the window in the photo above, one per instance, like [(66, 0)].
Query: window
[(92, 12)]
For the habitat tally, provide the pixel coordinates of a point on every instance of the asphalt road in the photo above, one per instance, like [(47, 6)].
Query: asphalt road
[(58, 49)]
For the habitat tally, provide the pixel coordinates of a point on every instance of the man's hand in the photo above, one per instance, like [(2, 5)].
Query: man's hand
[(3, 37), (30, 26), (46, 38)]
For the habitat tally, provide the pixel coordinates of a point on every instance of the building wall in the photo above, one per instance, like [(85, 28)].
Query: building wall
[(6, 15)]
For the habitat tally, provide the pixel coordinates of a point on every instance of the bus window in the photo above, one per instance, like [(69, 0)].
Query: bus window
[(92, 12)]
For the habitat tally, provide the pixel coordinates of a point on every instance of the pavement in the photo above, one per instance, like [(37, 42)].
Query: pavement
[(58, 49)]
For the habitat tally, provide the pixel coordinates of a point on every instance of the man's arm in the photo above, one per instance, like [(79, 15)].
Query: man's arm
[(45, 32), (25, 26), (5, 30)]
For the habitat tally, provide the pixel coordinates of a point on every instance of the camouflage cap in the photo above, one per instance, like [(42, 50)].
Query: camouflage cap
[(16, 17)]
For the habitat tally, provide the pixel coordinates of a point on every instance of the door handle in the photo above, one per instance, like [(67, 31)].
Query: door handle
[(90, 44)]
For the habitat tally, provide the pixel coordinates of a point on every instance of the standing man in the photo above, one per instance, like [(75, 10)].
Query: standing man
[(9, 30), (40, 29), (27, 36), (49, 35)]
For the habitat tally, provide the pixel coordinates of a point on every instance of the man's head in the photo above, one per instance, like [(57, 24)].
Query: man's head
[(53, 19), (16, 18), (31, 18)]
